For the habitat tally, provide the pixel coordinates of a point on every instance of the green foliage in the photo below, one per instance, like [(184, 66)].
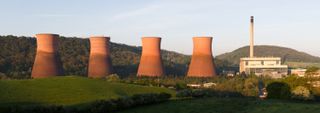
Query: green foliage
[(251, 87), (302, 93), (181, 85), (127, 102), (228, 105), (3, 76), (113, 78), (69, 90), (294, 81), (101, 106), (311, 70), (17, 55), (201, 93), (278, 90)]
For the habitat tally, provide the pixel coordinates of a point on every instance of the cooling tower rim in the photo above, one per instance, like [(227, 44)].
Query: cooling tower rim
[(108, 37), (47, 34), (150, 37), (202, 37)]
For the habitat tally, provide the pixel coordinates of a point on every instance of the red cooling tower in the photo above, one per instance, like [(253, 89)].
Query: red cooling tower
[(100, 62), (150, 62), (202, 64), (47, 62)]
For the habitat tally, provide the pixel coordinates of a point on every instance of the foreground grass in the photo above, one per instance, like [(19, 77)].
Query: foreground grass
[(68, 91), (228, 105)]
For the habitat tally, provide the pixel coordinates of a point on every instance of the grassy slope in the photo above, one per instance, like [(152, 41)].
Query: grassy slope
[(228, 105), (68, 90)]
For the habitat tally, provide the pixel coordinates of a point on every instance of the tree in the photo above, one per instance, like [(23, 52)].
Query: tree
[(302, 93)]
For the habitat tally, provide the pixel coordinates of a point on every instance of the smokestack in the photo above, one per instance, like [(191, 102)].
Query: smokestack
[(47, 62), (150, 62), (202, 64), (251, 37), (100, 62)]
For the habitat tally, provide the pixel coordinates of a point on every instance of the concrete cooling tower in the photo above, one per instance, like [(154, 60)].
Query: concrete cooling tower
[(150, 63), (100, 62), (202, 64), (47, 62)]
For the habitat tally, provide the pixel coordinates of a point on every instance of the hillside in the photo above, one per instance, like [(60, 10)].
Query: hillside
[(69, 90), (288, 55), (17, 56)]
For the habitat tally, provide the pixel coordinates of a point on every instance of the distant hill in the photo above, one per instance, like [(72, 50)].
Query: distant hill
[(288, 55)]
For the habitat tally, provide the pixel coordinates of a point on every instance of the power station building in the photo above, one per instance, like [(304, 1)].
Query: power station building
[(261, 66)]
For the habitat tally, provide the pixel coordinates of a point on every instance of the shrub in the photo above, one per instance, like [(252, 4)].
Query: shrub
[(127, 102), (3, 76), (302, 93), (278, 90), (251, 87), (113, 78), (36, 109), (200, 93), (180, 86), (184, 93)]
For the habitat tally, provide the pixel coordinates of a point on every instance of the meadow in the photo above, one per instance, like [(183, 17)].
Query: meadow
[(67, 91)]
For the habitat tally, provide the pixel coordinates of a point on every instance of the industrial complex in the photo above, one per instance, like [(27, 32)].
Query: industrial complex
[(47, 62), (261, 66)]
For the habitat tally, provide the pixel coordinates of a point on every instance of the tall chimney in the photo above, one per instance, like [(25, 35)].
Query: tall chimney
[(150, 62), (99, 62), (202, 64), (251, 37), (47, 62)]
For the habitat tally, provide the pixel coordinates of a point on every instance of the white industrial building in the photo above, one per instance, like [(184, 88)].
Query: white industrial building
[(261, 66)]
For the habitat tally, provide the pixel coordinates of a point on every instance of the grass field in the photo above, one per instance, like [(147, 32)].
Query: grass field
[(228, 105), (68, 91)]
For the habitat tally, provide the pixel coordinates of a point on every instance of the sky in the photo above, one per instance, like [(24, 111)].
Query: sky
[(288, 23)]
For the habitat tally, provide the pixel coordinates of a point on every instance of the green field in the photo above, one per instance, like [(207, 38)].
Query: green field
[(228, 105), (69, 91), (78, 91)]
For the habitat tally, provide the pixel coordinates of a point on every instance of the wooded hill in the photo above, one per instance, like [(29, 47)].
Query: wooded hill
[(17, 56)]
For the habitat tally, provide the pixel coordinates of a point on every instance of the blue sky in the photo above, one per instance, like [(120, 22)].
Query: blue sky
[(288, 23)]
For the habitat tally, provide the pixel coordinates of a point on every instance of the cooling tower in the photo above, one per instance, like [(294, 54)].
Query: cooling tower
[(100, 62), (47, 62), (150, 62), (202, 64)]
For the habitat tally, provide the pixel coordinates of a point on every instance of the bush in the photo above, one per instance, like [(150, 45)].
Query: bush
[(184, 93), (278, 90), (3, 76), (251, 87), (128, 102), (302, 93), (37, 109), (200, 93), (113, 78), (180, 86)]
